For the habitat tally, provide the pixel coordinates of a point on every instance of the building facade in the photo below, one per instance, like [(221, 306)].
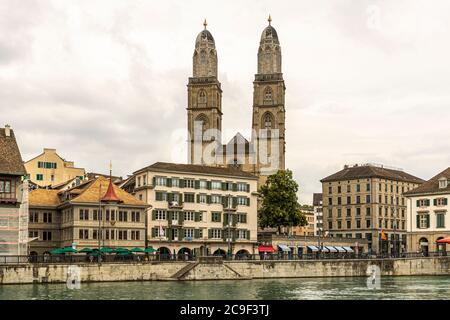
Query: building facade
[(428, 210), (361, 201), (199, 210), (318, 214), (265, 153), (13, 196), (307, 230), (49, 169), (92, 214)]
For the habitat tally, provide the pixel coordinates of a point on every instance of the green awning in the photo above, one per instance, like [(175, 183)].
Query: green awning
[(106, 250), (69, 250), (86, 250), (150, 250), (121, 250), (124, 253), (137, 250)]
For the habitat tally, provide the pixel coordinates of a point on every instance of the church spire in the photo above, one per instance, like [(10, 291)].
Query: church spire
[(270, 20), (205, 23)]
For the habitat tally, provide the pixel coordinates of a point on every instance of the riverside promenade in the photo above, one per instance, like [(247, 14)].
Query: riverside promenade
[(216, 268)]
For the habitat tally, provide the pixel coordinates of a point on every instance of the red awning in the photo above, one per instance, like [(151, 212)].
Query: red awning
[(266, 249), (445, 240)]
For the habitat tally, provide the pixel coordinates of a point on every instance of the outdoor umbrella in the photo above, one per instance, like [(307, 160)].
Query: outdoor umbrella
[(150, 250), (124, 253), (86, 250), (120, 250), (445, 240), (137, 250), (69, 250), (57, 251), (106, 250)]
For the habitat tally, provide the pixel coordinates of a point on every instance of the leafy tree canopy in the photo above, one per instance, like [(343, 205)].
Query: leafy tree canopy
[(280, 205)]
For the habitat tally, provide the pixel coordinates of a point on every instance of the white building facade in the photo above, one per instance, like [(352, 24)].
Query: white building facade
[(428, 213), (199, 210)]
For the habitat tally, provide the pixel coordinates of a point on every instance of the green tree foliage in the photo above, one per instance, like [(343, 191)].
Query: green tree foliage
[(280, 205)]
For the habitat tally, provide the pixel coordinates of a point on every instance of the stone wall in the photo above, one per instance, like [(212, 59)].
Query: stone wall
[(222, 271)]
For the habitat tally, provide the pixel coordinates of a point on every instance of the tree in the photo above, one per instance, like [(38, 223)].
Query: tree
[(280, 205)]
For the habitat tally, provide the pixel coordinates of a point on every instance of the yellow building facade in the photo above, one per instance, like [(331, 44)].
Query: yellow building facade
[(49, 169)]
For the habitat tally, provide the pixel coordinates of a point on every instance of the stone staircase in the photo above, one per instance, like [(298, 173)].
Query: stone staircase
[(183, 271)]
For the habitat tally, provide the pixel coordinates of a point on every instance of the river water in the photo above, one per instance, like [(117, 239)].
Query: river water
[(297, 289)]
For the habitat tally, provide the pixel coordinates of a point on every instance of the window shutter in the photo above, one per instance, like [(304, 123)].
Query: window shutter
[(224, 201), (428, 220), (169, 215), (181, 234), (154, 215), (198, 198), (154, 181), (435, 202), (169, 182), (169, 197), (224, 186), (248, 187), (244, 218), (248, 234), (209, 233), (208, 199), (248, 201), (428, 202), (180, 198), (208, 185), (234, 202), (197, 184), (234, 219), (196, 233), (169, 233), (418, 221), (418, 203), (181, 183), (225, 219), (197, 217), (234, 186), (153, 232), (180, 217), (445, 201), (220, 217)]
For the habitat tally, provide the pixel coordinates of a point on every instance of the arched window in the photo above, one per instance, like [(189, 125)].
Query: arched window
[(202, 97), (267, 120), (268, 95)]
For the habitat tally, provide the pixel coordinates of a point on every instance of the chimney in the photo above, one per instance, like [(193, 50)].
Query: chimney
[(8, 130)]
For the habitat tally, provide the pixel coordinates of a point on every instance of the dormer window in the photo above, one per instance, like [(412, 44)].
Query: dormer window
[(443, 183)]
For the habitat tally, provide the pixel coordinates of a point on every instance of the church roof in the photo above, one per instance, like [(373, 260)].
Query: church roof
[(269, 34)]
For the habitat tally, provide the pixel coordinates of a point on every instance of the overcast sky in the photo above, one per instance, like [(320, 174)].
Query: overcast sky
[(367, 81)]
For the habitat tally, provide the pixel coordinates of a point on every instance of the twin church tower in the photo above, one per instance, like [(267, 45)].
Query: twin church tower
[(264, 154)]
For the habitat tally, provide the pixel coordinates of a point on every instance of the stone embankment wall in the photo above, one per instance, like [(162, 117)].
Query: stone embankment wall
[(54, 273)]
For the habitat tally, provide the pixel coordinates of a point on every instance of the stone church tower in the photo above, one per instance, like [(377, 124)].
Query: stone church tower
[(204, 97), (268, 101), (268, 120)]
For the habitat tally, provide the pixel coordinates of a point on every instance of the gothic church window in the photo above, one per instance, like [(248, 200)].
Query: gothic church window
[(268, 96), (267, 121), (202, 97)]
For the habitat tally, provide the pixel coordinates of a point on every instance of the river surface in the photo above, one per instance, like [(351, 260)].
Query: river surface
[(436, 287)]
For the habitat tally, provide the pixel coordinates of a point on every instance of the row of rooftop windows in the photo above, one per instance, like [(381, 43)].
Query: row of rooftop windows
[(195, 184), (368, 188)]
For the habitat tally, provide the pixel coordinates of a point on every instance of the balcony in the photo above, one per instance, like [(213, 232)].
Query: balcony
[(175, 205)]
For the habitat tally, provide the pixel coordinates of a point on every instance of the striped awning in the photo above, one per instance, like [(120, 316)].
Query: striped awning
[(284, 247), (332, 249), (348, 249), (340, 249), (313, 248)]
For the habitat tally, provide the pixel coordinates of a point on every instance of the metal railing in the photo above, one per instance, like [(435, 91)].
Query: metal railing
[(152, 258)]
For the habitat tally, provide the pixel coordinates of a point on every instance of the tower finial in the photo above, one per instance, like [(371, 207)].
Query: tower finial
[(110, 169), (269, 19), (205, 23)]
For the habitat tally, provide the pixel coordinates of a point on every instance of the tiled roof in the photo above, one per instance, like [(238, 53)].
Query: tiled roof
[(198, 169), (96, 189), (88, 192), (317, 198), (369, 171), (10, 159), (44, 198), (432, 185)]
